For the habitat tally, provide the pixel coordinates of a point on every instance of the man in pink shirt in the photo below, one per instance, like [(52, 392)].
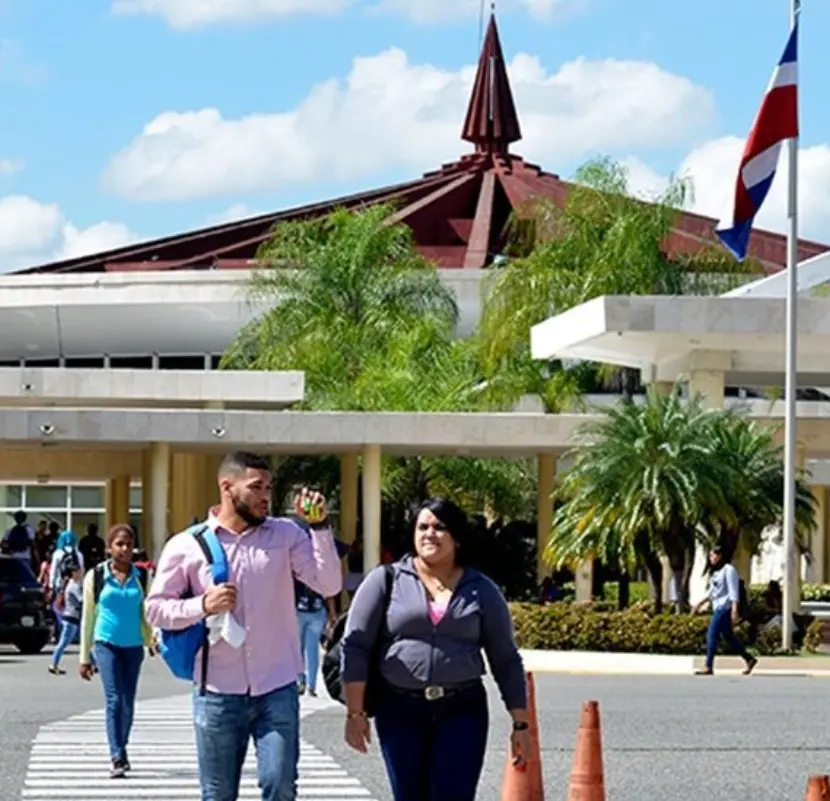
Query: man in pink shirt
[(249, 691)]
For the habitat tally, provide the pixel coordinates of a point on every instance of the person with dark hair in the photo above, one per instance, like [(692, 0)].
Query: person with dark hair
[(251, 693), (429, 625), (19, 540), (70, 603), (114, 624), (92, 547), (724, 597)]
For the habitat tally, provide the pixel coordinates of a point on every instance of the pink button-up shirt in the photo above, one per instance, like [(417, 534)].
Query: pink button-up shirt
[(263, 563)]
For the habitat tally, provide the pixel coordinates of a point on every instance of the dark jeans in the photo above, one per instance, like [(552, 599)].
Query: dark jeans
[(721, 626), (224, 726), (119, 669), (433, 750)]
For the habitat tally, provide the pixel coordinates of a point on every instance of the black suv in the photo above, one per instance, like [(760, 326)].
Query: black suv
[(24, 616)]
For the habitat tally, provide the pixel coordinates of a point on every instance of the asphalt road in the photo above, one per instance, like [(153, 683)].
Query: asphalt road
[(667, 738)]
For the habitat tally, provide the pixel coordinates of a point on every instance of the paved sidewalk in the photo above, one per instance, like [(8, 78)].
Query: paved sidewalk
[(69, 760), (604, 663)]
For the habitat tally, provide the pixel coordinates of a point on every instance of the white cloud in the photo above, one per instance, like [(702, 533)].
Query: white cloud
[(713, 167), (10, 166), (391, 113), (33, 233), (234, 212), (186, 14)]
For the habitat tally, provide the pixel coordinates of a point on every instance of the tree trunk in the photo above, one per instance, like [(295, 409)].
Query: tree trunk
[(674, 544), (655, 572), (624, 591)]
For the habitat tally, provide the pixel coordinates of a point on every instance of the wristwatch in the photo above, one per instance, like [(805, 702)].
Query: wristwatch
[(520, 725)]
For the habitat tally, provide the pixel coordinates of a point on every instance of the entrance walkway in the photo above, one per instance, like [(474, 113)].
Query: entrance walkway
[(69, 760)]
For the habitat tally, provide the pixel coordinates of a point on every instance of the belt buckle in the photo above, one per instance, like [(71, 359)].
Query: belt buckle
[(433, 693)]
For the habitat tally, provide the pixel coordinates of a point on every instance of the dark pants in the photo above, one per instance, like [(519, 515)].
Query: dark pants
[(721, 626), (433, 750), (225, 725), (119, 669)]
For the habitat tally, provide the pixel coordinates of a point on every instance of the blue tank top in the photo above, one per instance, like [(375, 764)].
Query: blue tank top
[(120, 611)]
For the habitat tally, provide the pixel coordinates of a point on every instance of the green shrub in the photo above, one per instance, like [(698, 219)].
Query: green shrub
[(815, 592), (812, 639), (595, 627)]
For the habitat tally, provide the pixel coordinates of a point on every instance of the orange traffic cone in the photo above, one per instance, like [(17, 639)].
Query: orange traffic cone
[(525, 783), (818, 788), (587, 779)]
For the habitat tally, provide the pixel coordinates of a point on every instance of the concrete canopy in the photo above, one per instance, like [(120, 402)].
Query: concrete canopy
[(666, 337)]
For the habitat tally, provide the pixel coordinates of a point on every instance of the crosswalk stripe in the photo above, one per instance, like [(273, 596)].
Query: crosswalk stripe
[(69, 760)]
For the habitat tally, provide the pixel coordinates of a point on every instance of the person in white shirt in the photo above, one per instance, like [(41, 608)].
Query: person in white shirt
[(724, 597)]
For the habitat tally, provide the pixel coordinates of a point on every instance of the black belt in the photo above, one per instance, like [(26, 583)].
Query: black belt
[(434, 692)]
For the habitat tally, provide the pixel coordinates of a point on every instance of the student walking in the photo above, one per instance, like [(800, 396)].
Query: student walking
[(249, 688), (433, 616), (114, 625), (724, 598), (66, 553), (313, 613), (70, 604)]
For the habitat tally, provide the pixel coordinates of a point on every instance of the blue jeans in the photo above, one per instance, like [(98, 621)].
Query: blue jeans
[(69, 631), (225, 724), (433, 750), (119, 669), (311, 626), (721, 626)]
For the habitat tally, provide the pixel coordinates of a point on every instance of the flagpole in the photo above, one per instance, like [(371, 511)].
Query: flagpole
[(791, 600)]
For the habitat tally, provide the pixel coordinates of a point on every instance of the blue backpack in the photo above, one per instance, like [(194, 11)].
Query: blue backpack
[(179, 648)]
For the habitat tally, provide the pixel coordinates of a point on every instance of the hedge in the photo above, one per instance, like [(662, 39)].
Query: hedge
[(585, 627)]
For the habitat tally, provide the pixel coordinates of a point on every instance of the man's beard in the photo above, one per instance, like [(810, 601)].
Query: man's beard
[(245, 514)]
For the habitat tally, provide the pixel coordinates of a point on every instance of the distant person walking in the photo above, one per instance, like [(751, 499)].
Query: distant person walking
[(313, 613), (430, 620), (69, 602), (249, 689), (724, 598), (114, 625), (66, 554)]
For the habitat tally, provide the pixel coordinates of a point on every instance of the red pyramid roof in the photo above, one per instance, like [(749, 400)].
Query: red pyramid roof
[(457, 213)]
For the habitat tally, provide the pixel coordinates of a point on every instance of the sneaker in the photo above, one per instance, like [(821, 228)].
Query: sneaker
[(118, 771), (312, 693), (750, 666), (126, 761), (56, 671), (704, 672)]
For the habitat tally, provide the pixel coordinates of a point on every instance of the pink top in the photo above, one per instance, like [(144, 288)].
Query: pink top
[(263, 563), (437, 610)]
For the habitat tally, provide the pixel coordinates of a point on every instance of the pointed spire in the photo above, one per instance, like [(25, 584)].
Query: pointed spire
[(492, 123)]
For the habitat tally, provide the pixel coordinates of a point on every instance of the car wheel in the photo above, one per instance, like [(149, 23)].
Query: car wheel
[(31, 643)]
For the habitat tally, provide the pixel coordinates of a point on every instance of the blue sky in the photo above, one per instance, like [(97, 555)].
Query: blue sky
[(646, 81)]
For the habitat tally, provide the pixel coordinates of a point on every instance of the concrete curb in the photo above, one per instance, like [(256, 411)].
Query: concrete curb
[(621, 664)]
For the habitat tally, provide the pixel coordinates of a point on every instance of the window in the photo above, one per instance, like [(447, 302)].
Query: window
[(46, 496), (11, 496), (89, 497), (135, 497)]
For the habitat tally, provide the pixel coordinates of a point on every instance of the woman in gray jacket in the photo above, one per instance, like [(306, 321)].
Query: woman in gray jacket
[(440, 614)]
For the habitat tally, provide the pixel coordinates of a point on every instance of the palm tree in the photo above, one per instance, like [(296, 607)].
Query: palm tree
[(641, 481), (341, 290), (603, 242), (754, 498)]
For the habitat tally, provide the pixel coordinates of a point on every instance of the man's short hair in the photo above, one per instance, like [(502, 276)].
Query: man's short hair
[(235, 464)]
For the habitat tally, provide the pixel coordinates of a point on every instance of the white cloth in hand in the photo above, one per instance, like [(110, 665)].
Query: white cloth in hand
[(224, 626)]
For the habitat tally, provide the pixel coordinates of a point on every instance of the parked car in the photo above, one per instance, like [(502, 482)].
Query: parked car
[(24, 615)]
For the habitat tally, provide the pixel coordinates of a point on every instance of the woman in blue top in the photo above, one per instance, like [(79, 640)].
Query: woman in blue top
[(114, 622)]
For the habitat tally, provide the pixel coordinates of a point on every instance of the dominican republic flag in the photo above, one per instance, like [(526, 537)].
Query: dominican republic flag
[(776, 122)]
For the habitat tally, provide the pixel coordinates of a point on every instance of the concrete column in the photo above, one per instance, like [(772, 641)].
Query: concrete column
[(371, 506), (117, 501), (155, 497), (348, 497), (662, 388), (818, 544), (709, 384), (546, 466), (186, 490), (209, 495)]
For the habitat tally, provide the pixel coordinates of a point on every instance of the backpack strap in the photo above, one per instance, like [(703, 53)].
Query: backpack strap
[(217, 559), (98, 580)]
